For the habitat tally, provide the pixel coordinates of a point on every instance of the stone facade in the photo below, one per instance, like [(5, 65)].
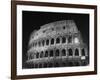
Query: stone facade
[(57, 44)]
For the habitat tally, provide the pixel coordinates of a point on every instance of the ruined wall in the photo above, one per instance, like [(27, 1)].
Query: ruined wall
[(57, 44)]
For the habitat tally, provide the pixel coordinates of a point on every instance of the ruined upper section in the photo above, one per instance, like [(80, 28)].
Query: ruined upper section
[(54, 28), (66, 23)]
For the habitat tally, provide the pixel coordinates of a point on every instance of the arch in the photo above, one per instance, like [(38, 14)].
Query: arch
[(46, 53), (47, 42), (63, 52), (70, 52), (39, 43), (69, 39), (51, 53), (52, 41), (35, 44), (43, 42), (52, 29), (41, 54), (37, 55), (63, 40), (57, 52), (64, 27), (44, 31), (57, 40), (83, 52), (76, 52)]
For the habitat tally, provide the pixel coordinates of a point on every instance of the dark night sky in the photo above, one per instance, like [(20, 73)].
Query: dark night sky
[(33, 20)]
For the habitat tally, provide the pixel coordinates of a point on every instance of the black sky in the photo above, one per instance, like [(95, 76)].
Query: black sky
[(33, 20)]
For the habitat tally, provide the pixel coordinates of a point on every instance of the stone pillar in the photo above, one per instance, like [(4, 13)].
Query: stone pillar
[(72, 38), (86, 52), (79, 51), (66, 39)]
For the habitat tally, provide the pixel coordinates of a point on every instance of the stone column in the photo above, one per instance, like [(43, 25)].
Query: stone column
[(79, 51), (74, 52)]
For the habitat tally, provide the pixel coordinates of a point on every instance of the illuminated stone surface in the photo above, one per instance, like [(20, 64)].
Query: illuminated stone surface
[(57, 44)]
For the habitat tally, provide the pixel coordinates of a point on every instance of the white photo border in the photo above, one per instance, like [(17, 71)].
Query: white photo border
[(34, 71)]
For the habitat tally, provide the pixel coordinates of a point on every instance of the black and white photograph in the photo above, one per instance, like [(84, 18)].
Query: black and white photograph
[(53, 39)]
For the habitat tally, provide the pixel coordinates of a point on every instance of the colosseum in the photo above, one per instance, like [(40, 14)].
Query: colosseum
[(57, 44)]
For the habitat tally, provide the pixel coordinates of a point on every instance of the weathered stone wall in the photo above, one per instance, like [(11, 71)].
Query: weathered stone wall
[(57, 44)]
